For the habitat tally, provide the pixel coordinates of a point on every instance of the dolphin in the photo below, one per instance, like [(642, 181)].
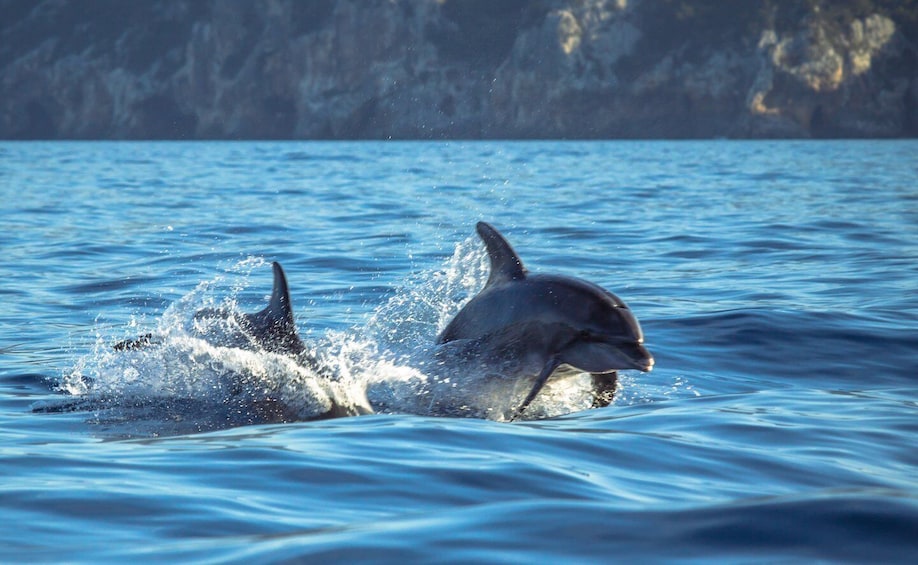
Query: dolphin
[(271, 329), (550, 323)]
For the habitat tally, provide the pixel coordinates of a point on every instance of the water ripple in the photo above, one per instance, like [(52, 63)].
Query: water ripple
[(775, 282)]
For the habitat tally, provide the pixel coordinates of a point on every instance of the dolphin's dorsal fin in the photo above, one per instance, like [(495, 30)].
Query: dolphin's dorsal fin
[(274, 326), (505, 263)]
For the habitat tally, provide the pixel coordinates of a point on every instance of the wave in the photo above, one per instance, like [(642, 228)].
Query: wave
[(778, 346), (870, 526)]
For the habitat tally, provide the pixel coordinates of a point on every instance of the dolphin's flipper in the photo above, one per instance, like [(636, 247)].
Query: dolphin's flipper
[(274, 326), (547, 370), (604, 387), (505, 263)]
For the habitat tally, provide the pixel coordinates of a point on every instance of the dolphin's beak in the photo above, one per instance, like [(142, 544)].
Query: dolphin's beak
[(604, 356), (641, 358)]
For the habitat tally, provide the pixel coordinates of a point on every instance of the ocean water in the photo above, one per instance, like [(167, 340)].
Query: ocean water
[(776, 283)]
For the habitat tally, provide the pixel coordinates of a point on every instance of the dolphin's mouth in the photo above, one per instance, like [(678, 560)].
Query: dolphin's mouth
[(639, 356), (596, 356)]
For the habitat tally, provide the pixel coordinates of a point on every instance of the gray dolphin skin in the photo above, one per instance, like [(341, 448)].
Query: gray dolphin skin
[(549, 322), (273, 327)]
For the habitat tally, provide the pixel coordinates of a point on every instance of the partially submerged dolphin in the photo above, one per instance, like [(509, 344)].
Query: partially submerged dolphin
[(550, 322), (271, 329)]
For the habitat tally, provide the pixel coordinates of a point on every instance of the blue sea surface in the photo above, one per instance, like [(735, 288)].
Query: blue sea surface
[(776, 283)]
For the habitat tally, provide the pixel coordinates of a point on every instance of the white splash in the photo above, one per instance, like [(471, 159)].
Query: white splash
[(387, 364)]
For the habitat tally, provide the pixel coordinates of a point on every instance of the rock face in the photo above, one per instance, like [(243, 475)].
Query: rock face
[(430, 69)]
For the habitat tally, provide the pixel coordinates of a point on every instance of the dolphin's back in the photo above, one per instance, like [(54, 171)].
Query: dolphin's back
[(478, 318), (540, 299), (274, 326)]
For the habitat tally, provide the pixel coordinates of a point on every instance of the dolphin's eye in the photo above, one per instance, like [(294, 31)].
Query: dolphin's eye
[(585, 334)]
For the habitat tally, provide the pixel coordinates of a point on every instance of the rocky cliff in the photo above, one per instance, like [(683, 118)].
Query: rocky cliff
[(428, 69)]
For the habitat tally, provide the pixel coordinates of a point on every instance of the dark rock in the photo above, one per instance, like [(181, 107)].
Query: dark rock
[(428, 69)]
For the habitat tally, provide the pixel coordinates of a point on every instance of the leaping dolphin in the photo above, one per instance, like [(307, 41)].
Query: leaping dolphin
[(549, 321)]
